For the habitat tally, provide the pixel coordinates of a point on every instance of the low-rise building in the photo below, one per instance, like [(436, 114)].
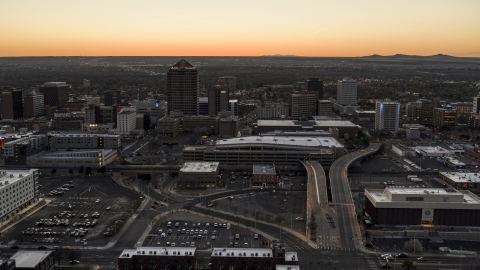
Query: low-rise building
[(272, 111), (324, 107), (93, 158), (198, 174), (264, 176), (364, 116), (17, 151), (34, 259), (164, 258), (461, 180), (6, 263), (168, 126), (248, 258), (58, 141), (18, 189), (422, 206)]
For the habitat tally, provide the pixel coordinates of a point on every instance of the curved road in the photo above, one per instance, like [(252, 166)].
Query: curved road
[(349, 232)]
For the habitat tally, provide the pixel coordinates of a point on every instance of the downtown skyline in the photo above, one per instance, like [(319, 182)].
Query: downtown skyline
[(247, 28)]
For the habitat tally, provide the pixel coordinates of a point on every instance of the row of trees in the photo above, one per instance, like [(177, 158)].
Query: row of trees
[(82, 170)]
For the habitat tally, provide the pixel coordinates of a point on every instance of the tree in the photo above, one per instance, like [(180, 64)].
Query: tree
[(81, 169), (235, 209), (70, 171), (434, 246), (245, 212), (188, 206), (103, 169), (279, 219), (413, 245), (409, 265), (59, 254), (88, 171), (53, 171)]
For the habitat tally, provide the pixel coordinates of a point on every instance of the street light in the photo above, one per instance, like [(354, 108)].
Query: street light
[(461, 251)]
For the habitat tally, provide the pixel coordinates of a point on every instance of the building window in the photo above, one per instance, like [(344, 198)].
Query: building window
[(416, 199)]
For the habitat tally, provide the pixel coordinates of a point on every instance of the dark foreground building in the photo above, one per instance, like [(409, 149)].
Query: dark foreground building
[(423, 206)]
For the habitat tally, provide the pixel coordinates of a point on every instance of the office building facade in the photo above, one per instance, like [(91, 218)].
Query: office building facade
[(55, 93), (217, 98), (314, 85), (33, 105), (182, 88), (230, 82), (444, 118), (12, 103), (303, 104), (19, 188), (387, 115), (126, 121)]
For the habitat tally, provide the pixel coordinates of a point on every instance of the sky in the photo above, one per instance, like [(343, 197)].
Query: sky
[(239, 27)]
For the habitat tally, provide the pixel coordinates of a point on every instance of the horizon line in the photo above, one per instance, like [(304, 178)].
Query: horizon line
[(266, 55)]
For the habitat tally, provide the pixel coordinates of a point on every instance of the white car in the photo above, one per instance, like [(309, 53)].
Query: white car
[(97, 200), (299, 219)]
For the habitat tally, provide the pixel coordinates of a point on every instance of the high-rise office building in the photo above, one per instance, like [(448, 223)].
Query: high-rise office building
[(444, 118), (33, 105), (182, 88), (314, 85), (12, 103), (233, 106), (55, 93), (230, 82), (217, 97), (387, 115), (425, 112), (347, 92), (303, 104), (126, 121), (112, 98)]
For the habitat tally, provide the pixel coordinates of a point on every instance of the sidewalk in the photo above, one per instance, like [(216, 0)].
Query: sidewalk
[(24, 214)]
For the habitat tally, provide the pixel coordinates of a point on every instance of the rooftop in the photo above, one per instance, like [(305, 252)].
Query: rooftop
[(200, 166), (8, 177), (53, 84), (159, 251), (29, 258), (276, 123), (291, 256), (313, 141), (460, 177), (333, 123), (287, 267), (241, 252), (259, 169), (82, 135), (183, 64)]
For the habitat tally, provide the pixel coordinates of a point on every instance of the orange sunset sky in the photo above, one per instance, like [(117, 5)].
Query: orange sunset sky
[(239, 28)]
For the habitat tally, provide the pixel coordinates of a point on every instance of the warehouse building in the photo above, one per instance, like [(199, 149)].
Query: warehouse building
[(422, 206), (460, 180)]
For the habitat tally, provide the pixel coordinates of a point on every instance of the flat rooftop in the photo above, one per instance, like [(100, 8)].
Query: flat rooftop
[(431, 149), (291, 256), (460, 177), (334, 123), (69, 135), (243, 252), (200, 166), (29, 258), (287, 267), (259, 169), (159, 251), (313, 141), (8, 177), (437, 198), (276, 123)]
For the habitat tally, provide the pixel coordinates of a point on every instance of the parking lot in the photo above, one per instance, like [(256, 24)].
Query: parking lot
[(209, 233), (79, 213)]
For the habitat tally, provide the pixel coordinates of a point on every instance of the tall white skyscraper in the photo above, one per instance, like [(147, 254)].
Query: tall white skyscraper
[(347, 92), (387, 115)]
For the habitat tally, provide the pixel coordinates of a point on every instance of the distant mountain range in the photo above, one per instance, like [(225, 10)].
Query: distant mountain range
[(406, 55)]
